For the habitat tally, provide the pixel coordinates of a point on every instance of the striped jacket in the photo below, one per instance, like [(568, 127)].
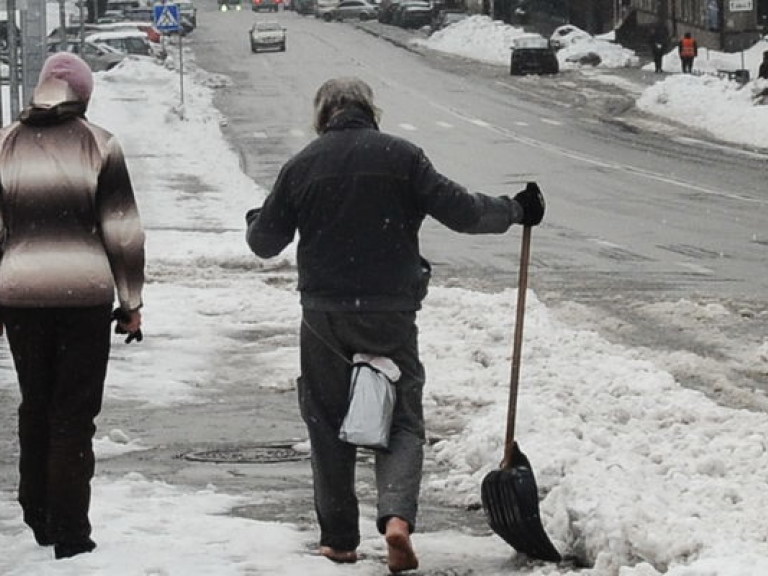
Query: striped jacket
[(71, 234)]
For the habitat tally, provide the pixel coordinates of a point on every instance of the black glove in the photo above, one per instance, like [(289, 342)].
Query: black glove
[(121, 315), (252, 214), (532, 201)]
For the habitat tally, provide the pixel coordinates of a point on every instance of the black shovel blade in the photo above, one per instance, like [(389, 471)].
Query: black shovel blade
[(511, 503)]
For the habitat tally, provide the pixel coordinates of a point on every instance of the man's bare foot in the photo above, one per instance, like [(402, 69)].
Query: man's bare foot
[(340, 556), (400, 556)]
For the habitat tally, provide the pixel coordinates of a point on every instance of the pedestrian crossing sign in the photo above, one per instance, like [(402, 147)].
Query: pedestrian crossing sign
[(167, 17)]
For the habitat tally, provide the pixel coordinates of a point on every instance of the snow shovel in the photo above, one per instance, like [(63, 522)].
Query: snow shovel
[(510, 496)]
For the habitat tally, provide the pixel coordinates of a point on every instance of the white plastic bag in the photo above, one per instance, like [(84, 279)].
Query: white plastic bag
[(371, 402)]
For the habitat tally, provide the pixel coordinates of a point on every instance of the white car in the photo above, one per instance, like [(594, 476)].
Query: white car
[(134, 42), (324, 9), (267, 34), (566, 35)]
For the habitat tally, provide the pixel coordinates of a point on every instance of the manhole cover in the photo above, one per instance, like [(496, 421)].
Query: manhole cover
[(267, 453)]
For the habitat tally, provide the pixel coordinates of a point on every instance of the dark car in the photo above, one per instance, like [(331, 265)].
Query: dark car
[(412, 14), (387, 10), (227, 5), (304, 7), (269, 5), (533, 55)]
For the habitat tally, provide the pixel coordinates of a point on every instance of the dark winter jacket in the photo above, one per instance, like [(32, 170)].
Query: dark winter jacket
[(762, 72), (358, 198), (71, 234)]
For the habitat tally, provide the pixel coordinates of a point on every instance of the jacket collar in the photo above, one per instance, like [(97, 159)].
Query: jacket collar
[(351, 118), (40, 116)]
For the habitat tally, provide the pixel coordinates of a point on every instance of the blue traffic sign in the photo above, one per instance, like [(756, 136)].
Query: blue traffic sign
[(167, 17)]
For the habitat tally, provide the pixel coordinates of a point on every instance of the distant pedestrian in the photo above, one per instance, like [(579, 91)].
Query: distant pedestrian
[(762, 72), (357, 198), (688, 49), (659, 46), (71, 237)]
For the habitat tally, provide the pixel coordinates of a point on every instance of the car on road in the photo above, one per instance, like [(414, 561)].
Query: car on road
[(269, 5), (304, 7), (354, 10), (98, 57), (412, 14), (267, 35), (533, 54), (227, 5)]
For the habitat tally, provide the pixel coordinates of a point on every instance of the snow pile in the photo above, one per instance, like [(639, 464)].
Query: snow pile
[(477, 37), (481, 38), (727, 109)]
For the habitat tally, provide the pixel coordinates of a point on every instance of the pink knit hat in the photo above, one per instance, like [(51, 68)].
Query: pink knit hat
[(64, 77)]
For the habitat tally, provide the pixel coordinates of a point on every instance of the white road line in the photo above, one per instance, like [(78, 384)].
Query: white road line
[(596, 161), (715, 146), (409, 127), (298, 132), (444, 124), (550, 121), (696, 268)]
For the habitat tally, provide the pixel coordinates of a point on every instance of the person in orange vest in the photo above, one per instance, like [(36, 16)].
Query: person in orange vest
[(688, 49)]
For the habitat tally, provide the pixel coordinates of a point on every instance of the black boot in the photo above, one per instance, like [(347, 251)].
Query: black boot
[(69, 549)]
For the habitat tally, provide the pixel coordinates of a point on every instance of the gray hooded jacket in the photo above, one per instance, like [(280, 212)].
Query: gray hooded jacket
[(71, 234)]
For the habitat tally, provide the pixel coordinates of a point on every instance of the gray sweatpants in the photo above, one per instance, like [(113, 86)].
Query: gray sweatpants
[(323, 398)]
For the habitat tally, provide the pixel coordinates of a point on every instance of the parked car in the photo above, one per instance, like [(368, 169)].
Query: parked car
[(270, 5), (304, 7), (324, 9), (147, 28), (533, 54), (127, 41), (566, 35), (354, 9), (98, 57), (413, 14), (447, 17), (267, 34), (387, 10), (188, 11), (73, 31)]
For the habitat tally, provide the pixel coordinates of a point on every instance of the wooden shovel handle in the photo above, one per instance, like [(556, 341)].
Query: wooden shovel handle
[(517, 347)]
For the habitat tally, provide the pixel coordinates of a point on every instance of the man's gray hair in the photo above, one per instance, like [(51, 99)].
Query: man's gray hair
[(339, 93)]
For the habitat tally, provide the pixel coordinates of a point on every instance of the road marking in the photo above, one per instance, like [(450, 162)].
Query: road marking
[(594, 160), (550, 121), (409, 127), (715, 146), (444, 124), (521, 123), (297, 132), (261, 135), (696, 268)]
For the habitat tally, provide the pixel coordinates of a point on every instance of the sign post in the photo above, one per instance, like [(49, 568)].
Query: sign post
[(167, 19)]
